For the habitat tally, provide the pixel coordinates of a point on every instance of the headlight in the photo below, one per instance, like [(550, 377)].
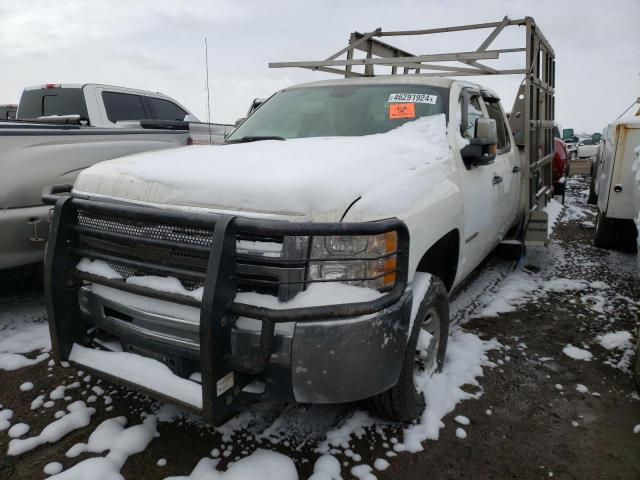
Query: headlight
[(363, 260)]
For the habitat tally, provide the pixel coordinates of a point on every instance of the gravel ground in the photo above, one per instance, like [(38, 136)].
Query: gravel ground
[(529, 421)]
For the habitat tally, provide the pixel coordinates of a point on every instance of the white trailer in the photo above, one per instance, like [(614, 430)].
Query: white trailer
[(616, 186)]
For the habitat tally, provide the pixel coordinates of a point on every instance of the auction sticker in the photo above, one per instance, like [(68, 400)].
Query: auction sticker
[(402, 110), (413, 97), (224, 384)]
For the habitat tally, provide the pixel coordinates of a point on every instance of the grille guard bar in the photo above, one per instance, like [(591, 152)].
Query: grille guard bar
[(218, 310)]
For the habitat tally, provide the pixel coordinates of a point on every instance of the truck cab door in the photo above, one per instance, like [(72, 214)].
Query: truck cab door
[(507, 167), (479, 189)]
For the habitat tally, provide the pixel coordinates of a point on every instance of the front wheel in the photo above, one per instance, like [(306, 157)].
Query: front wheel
[(424, 355)]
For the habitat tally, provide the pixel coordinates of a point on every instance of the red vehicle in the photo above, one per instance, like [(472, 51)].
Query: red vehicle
[(560, 166)]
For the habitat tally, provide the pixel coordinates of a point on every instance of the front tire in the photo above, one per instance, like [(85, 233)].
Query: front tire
[(403, 402)]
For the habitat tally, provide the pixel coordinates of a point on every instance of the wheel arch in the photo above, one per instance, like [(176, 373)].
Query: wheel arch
[(441, 259)]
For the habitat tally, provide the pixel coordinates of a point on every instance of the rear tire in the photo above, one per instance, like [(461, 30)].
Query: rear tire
[(403, 402)]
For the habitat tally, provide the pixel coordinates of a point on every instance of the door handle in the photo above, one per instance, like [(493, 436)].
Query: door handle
[(516, 169), (496, 180)]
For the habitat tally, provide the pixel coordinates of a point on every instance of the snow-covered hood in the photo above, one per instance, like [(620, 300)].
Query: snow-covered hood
[(316, 178)]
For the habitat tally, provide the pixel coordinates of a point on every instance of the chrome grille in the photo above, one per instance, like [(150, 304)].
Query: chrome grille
[(250, 274)]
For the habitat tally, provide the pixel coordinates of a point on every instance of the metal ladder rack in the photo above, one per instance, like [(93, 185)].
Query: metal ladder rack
[(532, 116)]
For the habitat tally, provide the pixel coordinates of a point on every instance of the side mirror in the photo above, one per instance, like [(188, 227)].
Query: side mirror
[(483, 147), (191, 118), (240, 120)]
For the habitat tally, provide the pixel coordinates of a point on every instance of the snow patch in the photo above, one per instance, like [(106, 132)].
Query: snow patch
[(615, 340), (577, 353), (140, 370), (120, 441), (363, 472), (5, 416), (13, 361), (18, 430), (165, 284), (327, 467), (260, 465), (99, 268), (381, 464), (466, 354), (354, 425), (52, 468), (581, 388), (462, 420), (79, 416), (317, 294), (554, 210)]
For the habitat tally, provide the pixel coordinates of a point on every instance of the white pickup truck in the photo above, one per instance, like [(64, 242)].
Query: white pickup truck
[(62, 129), (311, 256)]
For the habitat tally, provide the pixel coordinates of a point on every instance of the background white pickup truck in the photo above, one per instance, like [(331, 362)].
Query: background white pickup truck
[(62, 129), (108, 106)]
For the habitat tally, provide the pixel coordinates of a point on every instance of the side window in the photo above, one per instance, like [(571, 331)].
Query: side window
[(166, 110), (474, 111), (123, 106), (495, 112)]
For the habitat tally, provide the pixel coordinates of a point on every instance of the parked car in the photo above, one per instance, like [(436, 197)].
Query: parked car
[(560, 167), (617, 186), (587, 148), (8, 112), (595, 162), (569, 138), (310, 257), (71, 128)]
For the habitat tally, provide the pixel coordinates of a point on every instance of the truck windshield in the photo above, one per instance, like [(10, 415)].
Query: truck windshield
[(42, 102), (340, 110)]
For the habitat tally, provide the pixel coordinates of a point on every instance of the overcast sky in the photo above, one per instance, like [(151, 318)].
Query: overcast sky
[(158, 45)]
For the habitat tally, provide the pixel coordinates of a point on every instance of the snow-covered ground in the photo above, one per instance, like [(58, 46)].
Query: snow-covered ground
[(277, 441)]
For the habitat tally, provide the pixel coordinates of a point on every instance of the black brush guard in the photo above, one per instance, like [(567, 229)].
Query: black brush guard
[(218, 310)]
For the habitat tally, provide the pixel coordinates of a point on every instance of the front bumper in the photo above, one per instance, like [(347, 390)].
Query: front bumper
[(334, 361), (320, 354)]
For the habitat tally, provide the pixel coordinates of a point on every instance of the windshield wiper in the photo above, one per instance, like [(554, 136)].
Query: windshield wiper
[(255, 139)]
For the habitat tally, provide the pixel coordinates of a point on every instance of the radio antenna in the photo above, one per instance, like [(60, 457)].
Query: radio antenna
[(206, 62)]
